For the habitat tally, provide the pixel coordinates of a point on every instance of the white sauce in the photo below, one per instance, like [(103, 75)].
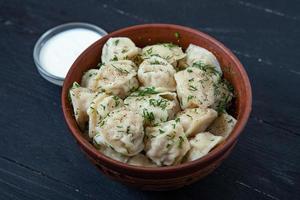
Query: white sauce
[(59, 52)]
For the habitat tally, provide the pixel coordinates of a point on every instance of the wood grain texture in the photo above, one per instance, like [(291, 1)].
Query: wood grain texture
[(40, 160)]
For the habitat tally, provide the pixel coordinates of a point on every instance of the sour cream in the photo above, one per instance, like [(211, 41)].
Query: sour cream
[(58, 53), (58, 48)]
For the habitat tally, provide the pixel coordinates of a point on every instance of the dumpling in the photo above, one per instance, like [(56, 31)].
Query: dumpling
[(90, 79), (168, 51), (81, 99), (166, 144), (224, 95), (201, 144), (109, 150), (157, 72), (99, 108), (195, 120), (155, 108), (119, 48), (223, 125), (141, 160), (123, 130), (116, 78), (199, 55), (198, 88)]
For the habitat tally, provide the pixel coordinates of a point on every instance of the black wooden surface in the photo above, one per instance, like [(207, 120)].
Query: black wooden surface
[(40, 160)]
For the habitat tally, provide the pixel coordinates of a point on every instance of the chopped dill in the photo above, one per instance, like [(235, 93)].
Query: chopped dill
[(192, 88), (124, 71), (181, 140), (146, 91)]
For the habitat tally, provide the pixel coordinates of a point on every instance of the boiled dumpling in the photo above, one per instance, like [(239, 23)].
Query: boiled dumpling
[(200, 56), (195, 120), (81, 99), (201, 144), (90, 79), (116, 78), (166, 144), (157, 72), (168, 51), (119, 48), (140, 160), (123, 130), (198, 88), (224, 95), (99, 108), (155, 108), (109, 150), (223, 125)]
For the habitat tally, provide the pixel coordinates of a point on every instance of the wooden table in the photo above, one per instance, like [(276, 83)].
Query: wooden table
[(40, 160)]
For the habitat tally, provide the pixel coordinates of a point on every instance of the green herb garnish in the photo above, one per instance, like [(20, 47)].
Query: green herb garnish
[(169, 45), (181, 140), (75, 85), (100, 65), (155, 62), (206, 68), (102, 106), (102, 123), (161, 131), (162, 103), (117, 42), (192, 88), (149, 116), (149, 51), (127, 129), (115, 58), (190, 97), (117, 100), (146, 91), (124, 71), (221, 107)]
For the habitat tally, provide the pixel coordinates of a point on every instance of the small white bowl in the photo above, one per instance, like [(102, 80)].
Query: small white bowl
[(50, 34)]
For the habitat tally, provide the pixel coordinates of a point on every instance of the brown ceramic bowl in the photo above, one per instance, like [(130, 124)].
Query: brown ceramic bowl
[(163, 178)]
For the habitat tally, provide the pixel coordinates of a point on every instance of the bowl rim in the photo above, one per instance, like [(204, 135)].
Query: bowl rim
[(91, 150)]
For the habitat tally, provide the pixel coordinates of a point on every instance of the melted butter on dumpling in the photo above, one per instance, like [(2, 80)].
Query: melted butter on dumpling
[(99, 108), (201, 144), (122, 130), (166, 144), (196, 54), (81, 99), (199, 88), (155, 108), (119, 48), (157, 72), (168, 51), (195, 120)]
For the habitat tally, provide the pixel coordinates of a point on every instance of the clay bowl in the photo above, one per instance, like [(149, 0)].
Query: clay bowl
[(163, 178)]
